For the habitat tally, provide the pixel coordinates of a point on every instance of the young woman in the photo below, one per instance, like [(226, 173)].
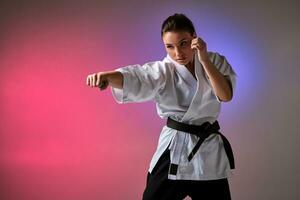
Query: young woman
[(192, 157)]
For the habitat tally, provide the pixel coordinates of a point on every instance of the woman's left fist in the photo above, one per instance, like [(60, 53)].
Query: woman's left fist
[(199, 45)]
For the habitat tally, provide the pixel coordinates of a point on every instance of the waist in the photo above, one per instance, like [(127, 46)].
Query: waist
[(199, 130)]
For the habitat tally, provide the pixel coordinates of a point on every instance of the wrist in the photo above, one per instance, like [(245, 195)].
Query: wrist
[(114, 78), (110, 75)]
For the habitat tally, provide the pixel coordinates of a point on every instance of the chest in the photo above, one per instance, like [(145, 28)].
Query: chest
[(179, 91)]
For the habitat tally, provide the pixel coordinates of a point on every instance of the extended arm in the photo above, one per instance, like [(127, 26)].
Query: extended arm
[(132, 83)]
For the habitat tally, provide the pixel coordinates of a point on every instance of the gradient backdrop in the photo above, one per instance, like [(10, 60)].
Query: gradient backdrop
[(62, 140)]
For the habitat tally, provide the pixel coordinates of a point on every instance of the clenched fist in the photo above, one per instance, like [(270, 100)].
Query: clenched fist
[(199, 45), (97, 80)]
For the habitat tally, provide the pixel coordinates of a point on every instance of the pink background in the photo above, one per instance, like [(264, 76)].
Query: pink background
[(60, 139)]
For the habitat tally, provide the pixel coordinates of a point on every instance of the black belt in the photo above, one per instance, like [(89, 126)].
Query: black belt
[(202, 131)]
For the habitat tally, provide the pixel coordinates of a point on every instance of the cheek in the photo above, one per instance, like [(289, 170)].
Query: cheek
[(170, 52), (188, 52)]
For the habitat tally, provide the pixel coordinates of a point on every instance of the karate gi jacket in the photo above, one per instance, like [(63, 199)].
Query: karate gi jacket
[(180, 96)]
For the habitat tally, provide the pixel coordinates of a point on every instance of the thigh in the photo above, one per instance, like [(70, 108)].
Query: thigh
[(210, 190), (158, 186)]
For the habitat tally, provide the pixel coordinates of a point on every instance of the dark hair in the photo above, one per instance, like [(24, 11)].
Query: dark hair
[(177, 22)]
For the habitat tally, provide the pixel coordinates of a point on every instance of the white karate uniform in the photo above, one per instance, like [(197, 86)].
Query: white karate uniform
[(180, 96)]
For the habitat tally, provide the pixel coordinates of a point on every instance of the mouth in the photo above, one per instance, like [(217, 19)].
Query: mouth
[(181, 59)]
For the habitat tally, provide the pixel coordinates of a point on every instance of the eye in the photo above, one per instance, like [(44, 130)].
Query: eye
[(183, 44), (170, 47)]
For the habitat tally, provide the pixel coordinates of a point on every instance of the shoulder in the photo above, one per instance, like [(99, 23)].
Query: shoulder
[(221, 63), (216, 57), (164, 66), (154, 67)]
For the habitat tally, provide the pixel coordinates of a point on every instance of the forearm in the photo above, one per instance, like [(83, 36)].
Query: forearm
[(220, 84)]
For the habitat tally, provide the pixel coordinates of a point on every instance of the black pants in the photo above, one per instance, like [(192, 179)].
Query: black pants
[(159, 187)]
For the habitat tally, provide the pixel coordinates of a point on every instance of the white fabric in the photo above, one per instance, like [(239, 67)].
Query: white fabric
[(183, 98)]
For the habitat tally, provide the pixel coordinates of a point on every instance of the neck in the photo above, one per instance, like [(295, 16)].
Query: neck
[(190, 66)]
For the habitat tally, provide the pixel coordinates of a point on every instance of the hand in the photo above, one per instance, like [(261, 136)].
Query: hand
[(97, 80), (199, 45)]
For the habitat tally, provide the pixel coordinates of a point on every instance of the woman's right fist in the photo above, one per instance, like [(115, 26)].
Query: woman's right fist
[(97, 80)]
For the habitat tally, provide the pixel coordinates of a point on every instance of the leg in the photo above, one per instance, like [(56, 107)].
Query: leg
[(159, 187), (210, 190)]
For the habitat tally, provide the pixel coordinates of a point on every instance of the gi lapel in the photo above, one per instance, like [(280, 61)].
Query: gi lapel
[(178, 141), (197, 98), (184, 73)]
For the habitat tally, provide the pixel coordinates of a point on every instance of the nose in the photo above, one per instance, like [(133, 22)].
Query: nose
[(178, 53)]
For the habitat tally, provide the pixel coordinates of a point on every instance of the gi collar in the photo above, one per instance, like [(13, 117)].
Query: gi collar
[(184, 72)]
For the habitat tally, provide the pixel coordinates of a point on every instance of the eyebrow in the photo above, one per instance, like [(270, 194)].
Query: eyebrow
[(178, 42)]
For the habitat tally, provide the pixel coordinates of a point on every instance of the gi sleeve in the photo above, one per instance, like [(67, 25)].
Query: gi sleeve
[(140, 82), (225, 68)]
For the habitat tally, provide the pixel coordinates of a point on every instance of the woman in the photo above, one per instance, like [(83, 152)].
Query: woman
[(192, 157)]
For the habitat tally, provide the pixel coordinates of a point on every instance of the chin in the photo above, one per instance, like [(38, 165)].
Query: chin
[(183, 62)]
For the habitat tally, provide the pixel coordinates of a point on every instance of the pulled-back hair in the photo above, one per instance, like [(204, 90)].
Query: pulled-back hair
[(177, 22)]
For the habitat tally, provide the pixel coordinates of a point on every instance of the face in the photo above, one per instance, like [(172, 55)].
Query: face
[(178, 46)]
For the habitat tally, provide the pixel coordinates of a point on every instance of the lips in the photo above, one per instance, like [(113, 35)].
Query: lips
[(181, 59)]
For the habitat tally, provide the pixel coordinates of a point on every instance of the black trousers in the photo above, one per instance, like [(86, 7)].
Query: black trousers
[(159, 187)]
